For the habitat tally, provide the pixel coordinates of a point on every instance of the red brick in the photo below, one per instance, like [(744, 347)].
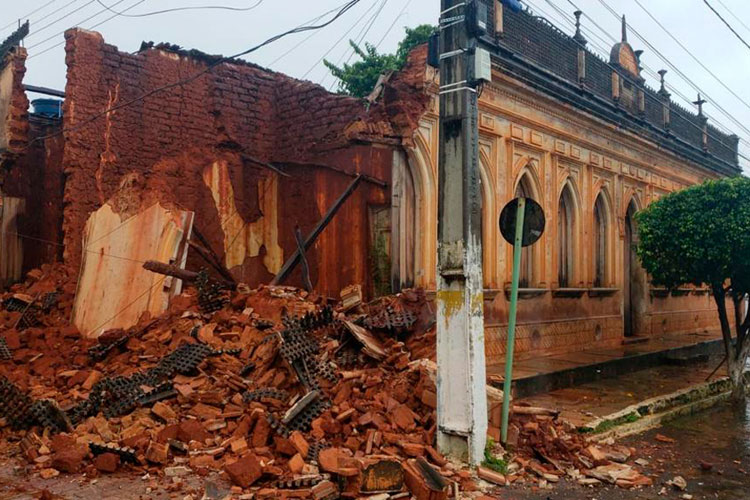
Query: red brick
[(245, 472)]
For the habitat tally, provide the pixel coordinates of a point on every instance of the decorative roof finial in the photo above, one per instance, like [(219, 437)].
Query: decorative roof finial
[(578, 37), (662, 72), (624, 29), (700, 102)]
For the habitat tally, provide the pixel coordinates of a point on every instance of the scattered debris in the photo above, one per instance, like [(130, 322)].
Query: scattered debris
[(279, 388)]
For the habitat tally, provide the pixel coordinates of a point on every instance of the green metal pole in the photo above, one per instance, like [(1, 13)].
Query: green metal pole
[(517, 248)]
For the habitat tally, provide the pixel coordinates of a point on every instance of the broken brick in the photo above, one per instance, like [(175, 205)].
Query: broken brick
[(106, 462), (245, 471)]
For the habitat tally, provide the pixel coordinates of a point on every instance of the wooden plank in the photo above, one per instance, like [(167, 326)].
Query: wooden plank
[(11, 246)]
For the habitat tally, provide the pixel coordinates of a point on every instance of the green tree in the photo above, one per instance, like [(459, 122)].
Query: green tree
[(359, 79), (701, 235)]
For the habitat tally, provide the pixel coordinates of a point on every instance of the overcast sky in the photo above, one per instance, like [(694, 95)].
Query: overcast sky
[(227, 32)]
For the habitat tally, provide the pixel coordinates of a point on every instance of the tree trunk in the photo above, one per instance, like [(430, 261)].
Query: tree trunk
[(736, 369), (736, 354)]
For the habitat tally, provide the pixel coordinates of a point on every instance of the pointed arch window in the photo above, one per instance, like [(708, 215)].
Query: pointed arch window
[(525, 190), (566, 237), (601, 241)]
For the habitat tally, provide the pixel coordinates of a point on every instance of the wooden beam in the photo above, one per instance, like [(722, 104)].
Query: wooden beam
[(303, 258), (177, 272), (319, 227), (206, 256)]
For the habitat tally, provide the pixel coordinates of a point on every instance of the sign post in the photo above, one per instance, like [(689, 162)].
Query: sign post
[(521, 224)]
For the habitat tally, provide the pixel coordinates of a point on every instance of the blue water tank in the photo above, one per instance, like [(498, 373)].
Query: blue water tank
[(51, 108), (513, 5)]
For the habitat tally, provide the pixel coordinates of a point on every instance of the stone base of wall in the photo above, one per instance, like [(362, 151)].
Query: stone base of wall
[(554, 337)]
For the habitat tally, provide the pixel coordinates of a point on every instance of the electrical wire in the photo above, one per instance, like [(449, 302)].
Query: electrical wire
[(50, 14), (209, 68), (406, 6), (688, 101), (179, 9), (363, 34), (337, 42), (25, 16), (674, 111), (150, 289), (726, 23), (304, 40), (734, 15), (50, 24), (677, 70), (90, 28), (357, 41), (669, 64), (87, 249), (698, 61)]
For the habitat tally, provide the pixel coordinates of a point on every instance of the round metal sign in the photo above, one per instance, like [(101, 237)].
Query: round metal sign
[(533, 222)]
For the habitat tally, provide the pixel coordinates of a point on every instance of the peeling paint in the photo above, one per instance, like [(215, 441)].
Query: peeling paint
[(113, 289), (246, 239)]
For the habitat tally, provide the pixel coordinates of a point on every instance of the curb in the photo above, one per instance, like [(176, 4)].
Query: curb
[(651, 413)]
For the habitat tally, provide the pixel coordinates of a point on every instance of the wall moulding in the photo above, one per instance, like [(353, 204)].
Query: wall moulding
[(583, 124)]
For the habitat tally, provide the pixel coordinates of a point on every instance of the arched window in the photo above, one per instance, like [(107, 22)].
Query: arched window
[(601, 243), (524, 190), (566, 237)]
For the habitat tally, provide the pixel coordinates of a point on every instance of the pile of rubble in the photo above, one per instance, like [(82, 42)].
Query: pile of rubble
[(287, 393)]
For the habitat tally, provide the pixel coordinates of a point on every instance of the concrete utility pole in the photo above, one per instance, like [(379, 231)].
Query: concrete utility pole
[(462, 396)]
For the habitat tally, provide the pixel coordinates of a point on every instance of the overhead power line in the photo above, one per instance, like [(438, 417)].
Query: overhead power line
[(734, 15), (406, 6), (308, 37), (679, 72), (357, 41), (700, 63), (363, 34), (25, 16), (666, 61), (207, 69), (179, 9), (50, 24), (688, 101), (337, 42), (78, 24), (726, 23), (648, 96)]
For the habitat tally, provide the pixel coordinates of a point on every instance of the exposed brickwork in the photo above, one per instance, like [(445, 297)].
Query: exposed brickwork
[(32, 169), (16, 124), (235, 113)]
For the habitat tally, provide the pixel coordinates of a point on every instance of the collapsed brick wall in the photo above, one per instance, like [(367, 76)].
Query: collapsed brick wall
[(235, 115), (37, 176), (31, 167)]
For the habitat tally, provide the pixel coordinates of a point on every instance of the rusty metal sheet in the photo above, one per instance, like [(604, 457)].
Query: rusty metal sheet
[(113, 288), (11, 247)]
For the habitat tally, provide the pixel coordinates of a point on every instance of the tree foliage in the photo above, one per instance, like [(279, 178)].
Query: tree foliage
[(359, 79), (701, 235)]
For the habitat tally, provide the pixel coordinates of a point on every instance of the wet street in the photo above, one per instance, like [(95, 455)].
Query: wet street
[(711, 452)]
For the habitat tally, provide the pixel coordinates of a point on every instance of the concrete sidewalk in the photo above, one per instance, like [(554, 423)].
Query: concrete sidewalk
[(549, 373), (583, 403)]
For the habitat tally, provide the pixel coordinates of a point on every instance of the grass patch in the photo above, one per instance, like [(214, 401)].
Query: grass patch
[(491, 461), (607, 425)]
